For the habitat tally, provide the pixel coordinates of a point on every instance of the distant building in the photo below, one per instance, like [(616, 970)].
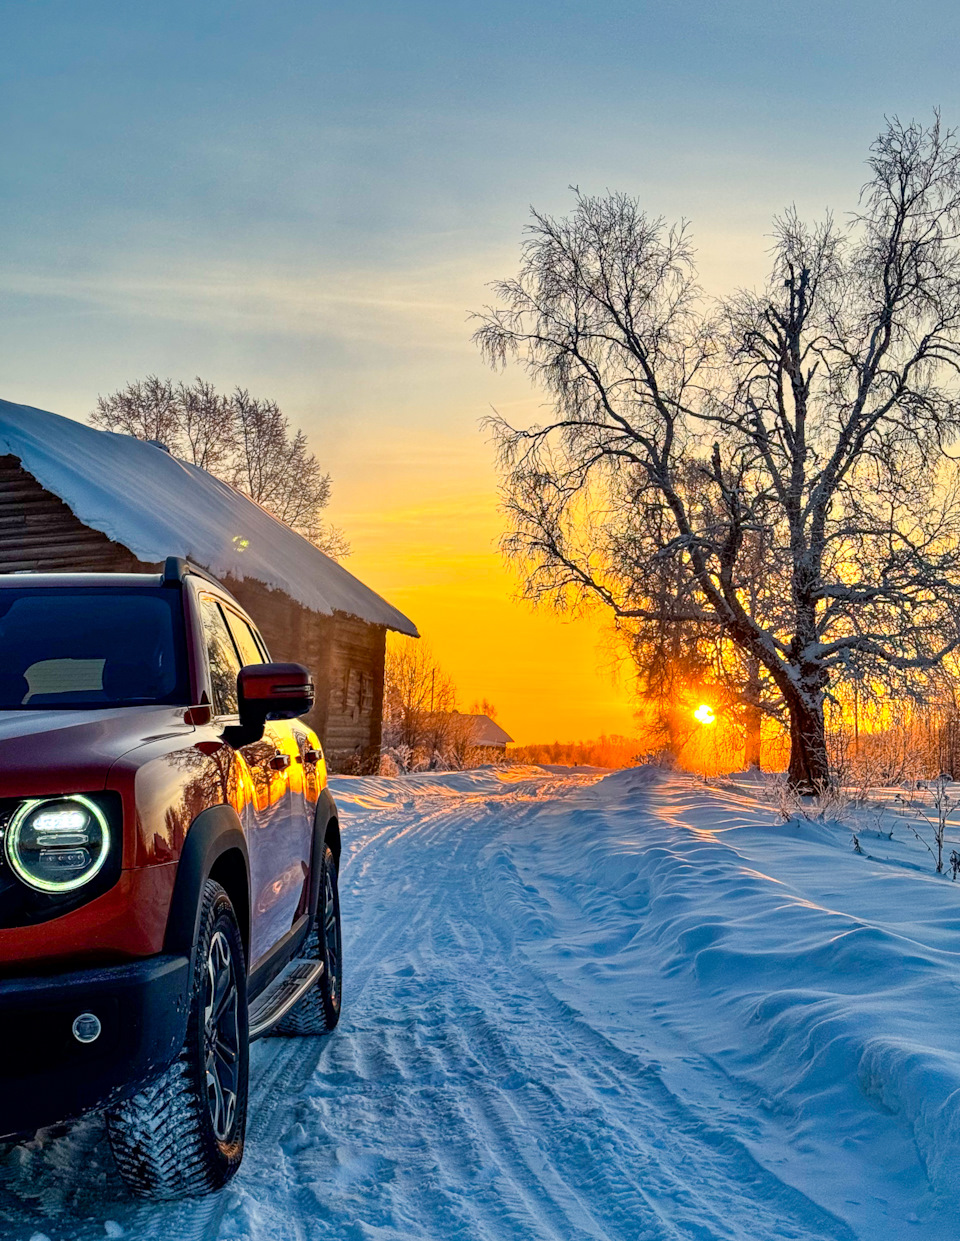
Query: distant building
[(484, 733), (75, 499)]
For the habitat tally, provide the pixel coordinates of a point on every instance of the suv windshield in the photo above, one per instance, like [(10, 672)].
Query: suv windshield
[(76, 647)]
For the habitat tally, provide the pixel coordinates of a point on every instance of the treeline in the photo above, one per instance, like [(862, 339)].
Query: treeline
[(886, 740), (613, 751), (895, 743)]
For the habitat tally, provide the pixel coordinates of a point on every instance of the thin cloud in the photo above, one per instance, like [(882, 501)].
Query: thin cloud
[(425, 309)]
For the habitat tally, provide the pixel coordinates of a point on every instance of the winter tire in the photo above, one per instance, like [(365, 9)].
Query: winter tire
[(182, 1136), (319, 1010)]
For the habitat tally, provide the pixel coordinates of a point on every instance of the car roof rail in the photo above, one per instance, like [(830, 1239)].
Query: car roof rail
[(175, 569)]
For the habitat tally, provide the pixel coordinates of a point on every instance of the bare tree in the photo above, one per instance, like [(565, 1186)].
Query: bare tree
[(147, 409), (483, 706), (208, 430), (244, 441), (276, 467), (812, 419), (418, 698)]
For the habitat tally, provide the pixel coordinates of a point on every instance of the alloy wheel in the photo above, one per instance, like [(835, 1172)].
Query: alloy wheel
[(221, 1043), (331, 932)]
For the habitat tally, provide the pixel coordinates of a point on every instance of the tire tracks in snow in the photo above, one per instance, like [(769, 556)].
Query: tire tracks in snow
[(486, 1105), (460, 1098)]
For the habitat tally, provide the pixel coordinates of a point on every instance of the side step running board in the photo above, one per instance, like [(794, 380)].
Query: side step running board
[(276, 1001)]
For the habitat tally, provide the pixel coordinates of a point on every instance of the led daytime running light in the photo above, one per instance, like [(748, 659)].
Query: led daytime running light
[(11, 840)]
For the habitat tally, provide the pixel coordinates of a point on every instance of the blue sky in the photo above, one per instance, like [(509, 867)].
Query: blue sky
[(256, 190), (307, 199)]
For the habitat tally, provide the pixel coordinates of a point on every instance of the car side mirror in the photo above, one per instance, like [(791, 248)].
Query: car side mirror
[(282, 691)]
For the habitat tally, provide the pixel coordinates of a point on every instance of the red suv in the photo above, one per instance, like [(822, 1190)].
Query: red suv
[(168, 869)]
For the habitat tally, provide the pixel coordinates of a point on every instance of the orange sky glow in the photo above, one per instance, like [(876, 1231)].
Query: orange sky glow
[(424, 533), (323, 244)]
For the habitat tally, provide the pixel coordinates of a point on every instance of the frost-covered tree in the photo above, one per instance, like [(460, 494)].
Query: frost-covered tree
[(418, 701), (810, 423), (245, 441), (678, 649)]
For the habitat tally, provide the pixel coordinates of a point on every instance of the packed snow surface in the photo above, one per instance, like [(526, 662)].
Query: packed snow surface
[(591, 1006), (157, 506)]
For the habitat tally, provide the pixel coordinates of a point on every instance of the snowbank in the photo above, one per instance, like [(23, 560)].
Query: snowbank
[(153, 504), (826, 980), (584, 1006)]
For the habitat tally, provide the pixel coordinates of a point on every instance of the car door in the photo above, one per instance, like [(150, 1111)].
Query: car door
[(263, 786), (279, 895)]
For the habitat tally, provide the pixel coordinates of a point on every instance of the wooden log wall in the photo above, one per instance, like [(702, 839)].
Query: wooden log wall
[(38, 532), (293, 635), (346, 656), (355, 712)]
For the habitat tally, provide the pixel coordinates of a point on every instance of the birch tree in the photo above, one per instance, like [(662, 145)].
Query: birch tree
[(244, 440), (811, 423)]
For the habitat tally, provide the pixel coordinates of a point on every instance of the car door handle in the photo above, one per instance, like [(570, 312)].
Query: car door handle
[(280, 762), (312, 756)]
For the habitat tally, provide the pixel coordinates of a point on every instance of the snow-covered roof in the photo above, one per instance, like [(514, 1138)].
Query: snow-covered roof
[(483, 730), (157, 506)]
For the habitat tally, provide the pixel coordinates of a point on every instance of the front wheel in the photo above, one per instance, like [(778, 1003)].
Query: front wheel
[(182, 1136), (319, 1010)]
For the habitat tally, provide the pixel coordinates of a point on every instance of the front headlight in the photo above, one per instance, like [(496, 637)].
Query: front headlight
[(57, 844)]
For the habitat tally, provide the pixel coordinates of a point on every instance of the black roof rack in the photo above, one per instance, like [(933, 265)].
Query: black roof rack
[(175, 569)]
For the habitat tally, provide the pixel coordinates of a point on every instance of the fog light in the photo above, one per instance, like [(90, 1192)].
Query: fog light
[(86, 1028)]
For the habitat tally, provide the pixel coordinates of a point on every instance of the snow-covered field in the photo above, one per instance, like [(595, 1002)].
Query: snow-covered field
[(587, 1006)]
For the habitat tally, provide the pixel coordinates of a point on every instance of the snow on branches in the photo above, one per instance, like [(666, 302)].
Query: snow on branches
[(775, 468)]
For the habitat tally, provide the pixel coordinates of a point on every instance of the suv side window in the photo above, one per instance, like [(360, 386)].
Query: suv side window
[(221, 656), (245, 638)]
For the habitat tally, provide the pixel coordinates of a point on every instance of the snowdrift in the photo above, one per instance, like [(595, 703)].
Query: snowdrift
[(825, 982), (584, 1006)]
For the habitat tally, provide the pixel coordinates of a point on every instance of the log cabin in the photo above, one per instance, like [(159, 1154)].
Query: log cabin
[(74, 499)]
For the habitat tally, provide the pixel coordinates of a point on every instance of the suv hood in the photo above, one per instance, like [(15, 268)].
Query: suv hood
[(50, 751)]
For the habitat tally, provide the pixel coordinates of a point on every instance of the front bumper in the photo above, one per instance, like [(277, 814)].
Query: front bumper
[(47, 1075)]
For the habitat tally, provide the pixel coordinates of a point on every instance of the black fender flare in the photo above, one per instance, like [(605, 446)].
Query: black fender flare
[(326, 816), (215, 832)]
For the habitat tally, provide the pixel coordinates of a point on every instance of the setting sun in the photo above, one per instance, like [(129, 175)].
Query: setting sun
[(704, 713)]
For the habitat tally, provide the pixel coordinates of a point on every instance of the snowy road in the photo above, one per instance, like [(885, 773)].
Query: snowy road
[(542, 1039)]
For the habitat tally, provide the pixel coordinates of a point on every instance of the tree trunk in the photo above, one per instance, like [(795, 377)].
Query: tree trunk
[(809, 770), (751, 756), (752, 718)]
